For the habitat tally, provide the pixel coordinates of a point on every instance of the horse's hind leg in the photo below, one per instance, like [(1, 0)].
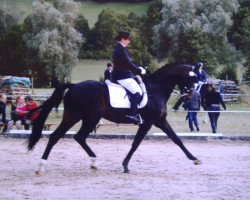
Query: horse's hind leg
[(53, 139), (87, 127)]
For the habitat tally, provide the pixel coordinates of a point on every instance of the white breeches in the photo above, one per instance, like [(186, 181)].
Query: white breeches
[(131, 85)]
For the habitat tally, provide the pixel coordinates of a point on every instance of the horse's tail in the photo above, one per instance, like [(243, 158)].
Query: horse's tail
[(45, 109)]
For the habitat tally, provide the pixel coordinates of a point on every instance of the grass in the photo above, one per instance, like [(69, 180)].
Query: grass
[(89, 9)]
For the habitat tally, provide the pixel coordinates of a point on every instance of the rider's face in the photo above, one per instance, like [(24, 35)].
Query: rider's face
[(125, 42)]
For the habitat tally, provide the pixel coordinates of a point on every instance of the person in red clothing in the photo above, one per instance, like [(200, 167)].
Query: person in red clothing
[(30, 105), (18, 113)]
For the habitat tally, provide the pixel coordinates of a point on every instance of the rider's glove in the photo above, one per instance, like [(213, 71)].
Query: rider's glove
[(143, 71)]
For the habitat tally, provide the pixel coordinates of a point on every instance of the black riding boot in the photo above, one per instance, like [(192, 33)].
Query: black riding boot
[(133, 116)]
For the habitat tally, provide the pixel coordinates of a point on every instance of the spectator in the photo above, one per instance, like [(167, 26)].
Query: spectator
[(192, 104), (108, 72), (30, 118), (3, 120), (200, 74), (213, 100), (18, 113)]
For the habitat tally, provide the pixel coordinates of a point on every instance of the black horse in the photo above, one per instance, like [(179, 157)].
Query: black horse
[(89, 101)]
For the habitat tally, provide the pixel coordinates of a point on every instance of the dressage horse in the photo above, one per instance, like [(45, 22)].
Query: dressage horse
[(89, 101)]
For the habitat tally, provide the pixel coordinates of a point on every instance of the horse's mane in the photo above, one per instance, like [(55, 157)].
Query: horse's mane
[(172, 69)]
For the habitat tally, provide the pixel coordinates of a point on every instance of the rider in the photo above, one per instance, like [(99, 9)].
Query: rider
[(122, 73), (201, 75)]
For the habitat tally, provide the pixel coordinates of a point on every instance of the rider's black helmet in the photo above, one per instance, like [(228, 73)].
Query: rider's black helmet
[(122, 35), (199, 64)]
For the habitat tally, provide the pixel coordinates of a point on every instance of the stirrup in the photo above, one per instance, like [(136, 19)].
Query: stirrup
[(141, 120), (135, 119)]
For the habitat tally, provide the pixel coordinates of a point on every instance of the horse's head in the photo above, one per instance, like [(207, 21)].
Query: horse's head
[(181, 75), (187, 78)]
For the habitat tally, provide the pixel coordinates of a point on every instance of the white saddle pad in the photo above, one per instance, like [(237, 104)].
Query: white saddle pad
[(119, 98)]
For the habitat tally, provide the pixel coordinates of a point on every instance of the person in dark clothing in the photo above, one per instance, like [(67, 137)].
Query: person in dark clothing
[(192, 104), (213, 100), (108, 72), (3, 120), (122, 73), (191, 101), (200, 73)]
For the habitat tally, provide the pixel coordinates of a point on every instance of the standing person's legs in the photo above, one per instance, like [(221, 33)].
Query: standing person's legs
[(216, 116), (190, 120), (212, 121), (195, 120), (5, 128)]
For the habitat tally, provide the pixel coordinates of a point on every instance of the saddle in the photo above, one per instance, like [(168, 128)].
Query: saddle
[(119, 97)]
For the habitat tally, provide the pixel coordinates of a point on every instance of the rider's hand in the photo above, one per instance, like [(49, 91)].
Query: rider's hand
[(143, 71)]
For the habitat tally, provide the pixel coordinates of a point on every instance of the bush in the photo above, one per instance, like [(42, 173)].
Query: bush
[(228, 73)]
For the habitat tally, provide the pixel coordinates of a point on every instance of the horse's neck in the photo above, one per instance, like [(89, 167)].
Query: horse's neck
[(163, 86)]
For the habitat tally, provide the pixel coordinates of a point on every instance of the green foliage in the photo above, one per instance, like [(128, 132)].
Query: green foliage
[(247, 73), (12, 46), (7, 22), (209, 21), (239, 34), (153, 18), (228, 73), (106, 28), (12, 52), (194, 45), (52, 39)]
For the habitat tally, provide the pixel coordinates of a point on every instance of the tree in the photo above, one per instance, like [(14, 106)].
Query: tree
[(52, 39), (194, 46), (82, 26), (7, 21), (12, 46), (239, 34), (106, 28), (13, 52), (212, 18), (153, 18)]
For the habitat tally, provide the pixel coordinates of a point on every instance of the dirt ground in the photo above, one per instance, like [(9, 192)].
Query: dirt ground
[(159, 170)]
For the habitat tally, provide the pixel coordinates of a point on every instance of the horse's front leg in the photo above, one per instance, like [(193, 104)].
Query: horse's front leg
[(165, 127), (142, 131)]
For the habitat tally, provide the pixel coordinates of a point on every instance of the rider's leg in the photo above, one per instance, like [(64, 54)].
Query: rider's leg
[(132, 86)]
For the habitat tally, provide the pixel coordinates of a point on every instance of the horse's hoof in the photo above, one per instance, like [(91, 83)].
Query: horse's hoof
[(197, 162), (93, 167), (40, 173)]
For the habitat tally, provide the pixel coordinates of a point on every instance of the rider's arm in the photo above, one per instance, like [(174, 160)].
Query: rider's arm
[(127, 61)]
